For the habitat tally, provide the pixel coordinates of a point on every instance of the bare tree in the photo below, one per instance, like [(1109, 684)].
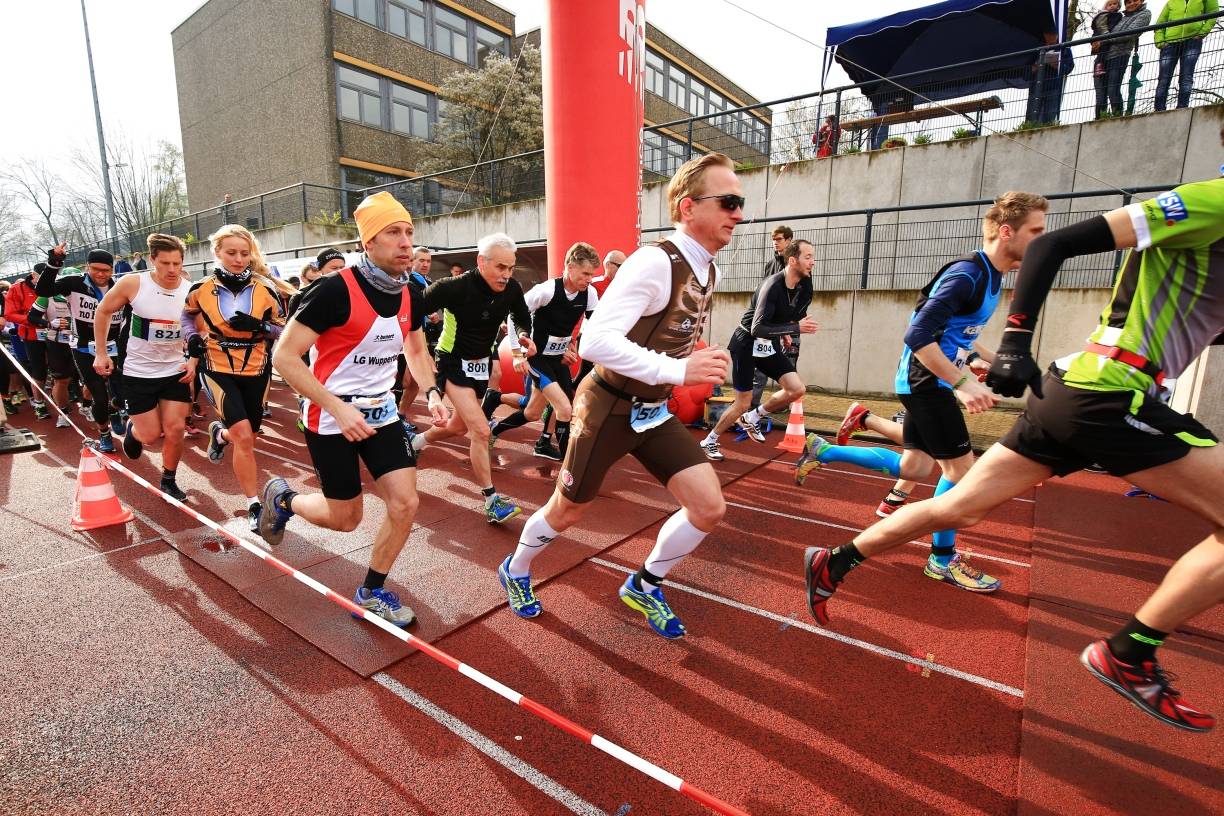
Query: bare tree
[(147, 187), (32, 182)]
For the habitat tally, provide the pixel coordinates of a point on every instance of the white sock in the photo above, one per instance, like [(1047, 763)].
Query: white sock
[(677, 538), (251, 500), (537, 534), (752, 417), (419, 442), (489, 497), (712, 436)]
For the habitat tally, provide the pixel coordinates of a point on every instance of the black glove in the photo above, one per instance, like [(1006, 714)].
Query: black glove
[(1014, 368), (37, 318), (196, 346), (55, 261), (244, 322)]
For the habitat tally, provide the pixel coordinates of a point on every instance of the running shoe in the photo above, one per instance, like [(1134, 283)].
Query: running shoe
[(131, 445), (809, 460), (651, 604), (168, 486), (10, 406), (216, 445), (106, 442), (62, 422), (523, 601), (501, 510), (267, 411), (750, 429), (253, 517), (889, 506), (274, 517), (196, 413), (118, 423), (546, 450), (712, 451), (385, 604), (40, 410), (852, 423), (820, 585), (960, 573), (1147, 686)]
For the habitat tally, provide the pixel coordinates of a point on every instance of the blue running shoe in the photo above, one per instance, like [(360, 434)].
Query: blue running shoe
[(106, 442), (809, 460), (651, 604), (274, 517), (118, 423), (501, 510), (385, 604), (523, 601), (131, 445)]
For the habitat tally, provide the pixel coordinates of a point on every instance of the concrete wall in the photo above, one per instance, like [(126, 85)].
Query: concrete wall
[(229, 73)]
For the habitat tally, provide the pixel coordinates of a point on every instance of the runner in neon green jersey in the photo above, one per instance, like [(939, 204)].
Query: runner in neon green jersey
[(1104, 405)]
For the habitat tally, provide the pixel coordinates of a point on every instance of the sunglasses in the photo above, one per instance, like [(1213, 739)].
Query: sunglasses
[(729, 202)]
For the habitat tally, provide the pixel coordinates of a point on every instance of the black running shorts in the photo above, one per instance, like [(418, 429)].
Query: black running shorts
[(457, 371), (935, 424), (236, 397), (143, 393), (336, 460), (1122, 431), (744, 365), (546, 370)]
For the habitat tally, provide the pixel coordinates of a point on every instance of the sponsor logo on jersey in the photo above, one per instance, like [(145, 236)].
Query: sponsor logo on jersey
[(687, 325), (1173, 207)]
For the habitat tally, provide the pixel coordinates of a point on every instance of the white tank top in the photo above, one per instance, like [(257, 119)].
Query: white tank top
[(358, 361), (155, 338)]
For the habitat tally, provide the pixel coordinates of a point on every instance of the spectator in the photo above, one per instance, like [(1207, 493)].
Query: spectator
[(295, 281), (1117, 51), (1103, 23), (139, 264), (782, 236), (1180, 46), (828, 136), (122, 267), (456, 269), (226, 208), (1049, 77)]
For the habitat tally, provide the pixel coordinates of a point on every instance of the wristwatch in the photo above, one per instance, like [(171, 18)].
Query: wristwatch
[(432, 389)]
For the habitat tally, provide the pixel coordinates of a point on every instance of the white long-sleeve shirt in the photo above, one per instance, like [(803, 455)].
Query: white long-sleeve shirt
[(642, 287)]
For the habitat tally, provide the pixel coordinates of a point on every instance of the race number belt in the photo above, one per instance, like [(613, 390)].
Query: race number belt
[(1130, 358), (378, 410)]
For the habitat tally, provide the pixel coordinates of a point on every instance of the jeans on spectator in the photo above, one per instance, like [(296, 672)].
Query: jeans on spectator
[(1185, 52), (1098, 82), (1115, 69)]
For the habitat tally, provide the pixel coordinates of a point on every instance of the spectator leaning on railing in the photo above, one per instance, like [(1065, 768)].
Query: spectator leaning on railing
[(1103, 23), (1180, 46), (1118, 50)]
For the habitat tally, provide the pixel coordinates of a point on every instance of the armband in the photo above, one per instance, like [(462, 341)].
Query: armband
[(964, 379)]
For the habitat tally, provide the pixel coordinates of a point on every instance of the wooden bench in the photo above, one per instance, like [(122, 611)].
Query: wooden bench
[(969, 106)]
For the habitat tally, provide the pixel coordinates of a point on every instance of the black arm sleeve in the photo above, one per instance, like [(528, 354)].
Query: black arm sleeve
[(47, 283), (1042, 260), (768, 306), (441, 293)]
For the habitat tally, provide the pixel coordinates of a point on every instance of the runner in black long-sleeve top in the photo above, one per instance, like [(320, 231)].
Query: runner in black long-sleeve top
[(474, 305)]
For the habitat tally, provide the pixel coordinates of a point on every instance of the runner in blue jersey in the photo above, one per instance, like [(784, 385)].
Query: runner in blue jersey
[(940, 342)]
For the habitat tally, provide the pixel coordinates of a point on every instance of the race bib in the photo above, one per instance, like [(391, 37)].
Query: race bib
[(112, 348), (962, 357), (556, 345), (64, 337), (40, 335), (165, 331), (762, 348), (378, 411), (646, 415), (475, 369)]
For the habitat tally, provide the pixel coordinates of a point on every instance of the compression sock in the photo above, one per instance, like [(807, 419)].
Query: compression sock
[(943, 547), (167, 475), (645, 581), (516, 420), (562, 436), (844, 558), (537, 534), (546, 415), (880, 460), (374, 579), (489, 495), (677, 538), (489, 403), (1136, 642)]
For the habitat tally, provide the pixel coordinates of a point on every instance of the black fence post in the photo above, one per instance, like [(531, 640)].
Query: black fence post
[(305, 213), (690, 141), (866, 248), (197, 226), (263, 220), (836, 118)]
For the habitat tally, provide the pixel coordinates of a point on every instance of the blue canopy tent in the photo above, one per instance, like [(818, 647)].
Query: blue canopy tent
[(926, 43)]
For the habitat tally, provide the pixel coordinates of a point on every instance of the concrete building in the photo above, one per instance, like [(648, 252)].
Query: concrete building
[(346, 94)]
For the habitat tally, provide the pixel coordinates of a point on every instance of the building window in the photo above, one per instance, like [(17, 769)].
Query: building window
[(409, 111), (654, 73), (489, 41), (697, 98), (676, 86), (358, 96), (364, 10), (406, 18), (450, 34)]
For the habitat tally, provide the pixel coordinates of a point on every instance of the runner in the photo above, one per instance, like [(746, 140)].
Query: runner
[(556, 307), (155, 373), (227, 320), (407, 389), (51, 316), (18, 302), (83, 293), (951, 313), (859, 418), (642, 339), (475, 304), (775, 317), (1102, 405), (355, 325)]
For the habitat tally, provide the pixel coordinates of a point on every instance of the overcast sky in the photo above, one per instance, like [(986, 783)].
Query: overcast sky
[(46, 77)]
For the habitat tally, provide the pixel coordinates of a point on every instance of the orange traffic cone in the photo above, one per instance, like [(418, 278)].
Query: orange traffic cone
[(96, 502), (795, 433)]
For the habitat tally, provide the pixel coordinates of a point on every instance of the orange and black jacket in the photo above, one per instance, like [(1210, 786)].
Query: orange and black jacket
[(229, 350)]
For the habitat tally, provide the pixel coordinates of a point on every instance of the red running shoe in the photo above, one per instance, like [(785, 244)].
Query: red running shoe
[(887, 508), (1147, 686), (820, 586), (852, 423)]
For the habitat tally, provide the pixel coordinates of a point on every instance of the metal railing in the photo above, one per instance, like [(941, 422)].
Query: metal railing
[(774, 132)]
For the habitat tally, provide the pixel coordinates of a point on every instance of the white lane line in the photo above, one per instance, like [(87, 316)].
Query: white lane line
[(816, 630), (528, 773), (72, 561), (976, 553)]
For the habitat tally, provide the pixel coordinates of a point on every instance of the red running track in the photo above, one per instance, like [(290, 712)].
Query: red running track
[(144, 676)]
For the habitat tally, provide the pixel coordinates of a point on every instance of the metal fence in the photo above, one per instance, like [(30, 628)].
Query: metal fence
[(902, 247), (868, 115)]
